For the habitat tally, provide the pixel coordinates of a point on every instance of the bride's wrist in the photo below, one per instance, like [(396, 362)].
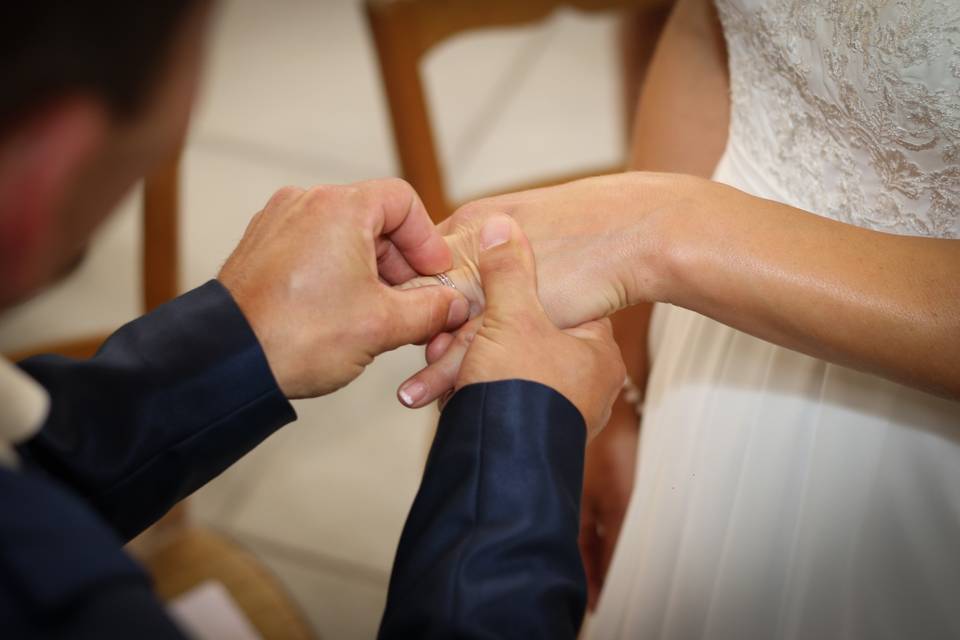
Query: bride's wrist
[(669, 210), (706, 242)]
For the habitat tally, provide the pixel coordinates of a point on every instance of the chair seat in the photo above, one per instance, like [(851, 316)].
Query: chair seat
[(193, 555)]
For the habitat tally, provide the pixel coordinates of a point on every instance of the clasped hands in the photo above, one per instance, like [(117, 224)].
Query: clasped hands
[(331, 277)]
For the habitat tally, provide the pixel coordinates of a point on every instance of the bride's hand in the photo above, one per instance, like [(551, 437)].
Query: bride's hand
[(597, 244), (596, 241)]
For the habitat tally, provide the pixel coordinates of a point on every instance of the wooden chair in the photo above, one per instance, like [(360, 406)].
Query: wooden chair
[(404, 31), (181, 558)]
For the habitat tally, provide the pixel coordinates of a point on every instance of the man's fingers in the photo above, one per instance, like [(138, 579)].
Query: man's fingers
[(404, 219), (415, 316), (392, 266), (508, 271), (591, 552), (607, 531), (282, 197), (431, 382)]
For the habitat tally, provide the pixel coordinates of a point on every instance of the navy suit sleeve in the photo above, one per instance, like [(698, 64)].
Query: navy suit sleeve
[(489, 549), (63, 573), (169, 402)]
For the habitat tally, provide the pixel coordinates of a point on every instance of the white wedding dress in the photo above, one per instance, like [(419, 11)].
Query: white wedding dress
[(778, 496)]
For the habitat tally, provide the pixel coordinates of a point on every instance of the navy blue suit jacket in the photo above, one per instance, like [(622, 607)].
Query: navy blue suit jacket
[(174, 398)]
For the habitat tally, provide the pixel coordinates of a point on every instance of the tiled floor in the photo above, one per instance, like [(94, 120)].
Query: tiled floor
[(292, 96)]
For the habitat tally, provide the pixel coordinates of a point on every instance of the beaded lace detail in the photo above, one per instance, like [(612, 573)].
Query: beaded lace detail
[(851, 108)]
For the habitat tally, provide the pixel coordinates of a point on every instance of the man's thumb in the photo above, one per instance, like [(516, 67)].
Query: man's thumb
[(508, 271)]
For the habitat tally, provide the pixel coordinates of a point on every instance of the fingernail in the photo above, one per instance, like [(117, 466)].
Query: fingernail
[(495, 232), (412, 392), (458, 313)]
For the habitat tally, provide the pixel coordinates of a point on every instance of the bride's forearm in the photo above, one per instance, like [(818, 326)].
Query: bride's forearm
[(878, 302)]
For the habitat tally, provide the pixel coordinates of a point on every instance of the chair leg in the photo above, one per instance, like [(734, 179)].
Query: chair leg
[(161, 204)]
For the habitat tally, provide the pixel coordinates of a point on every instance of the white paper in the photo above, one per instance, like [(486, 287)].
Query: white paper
[(208, 612)]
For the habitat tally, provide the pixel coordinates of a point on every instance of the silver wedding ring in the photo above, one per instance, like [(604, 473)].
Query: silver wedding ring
[(445, 280)]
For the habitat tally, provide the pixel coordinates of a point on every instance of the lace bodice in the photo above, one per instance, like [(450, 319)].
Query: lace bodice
[(851, 108)]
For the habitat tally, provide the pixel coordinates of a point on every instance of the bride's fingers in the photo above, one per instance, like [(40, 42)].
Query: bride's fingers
[(437, 378), (455, 275), (463, 278)]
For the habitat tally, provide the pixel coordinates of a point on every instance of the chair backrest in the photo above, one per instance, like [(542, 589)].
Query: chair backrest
[(161, 229), (405, 30)]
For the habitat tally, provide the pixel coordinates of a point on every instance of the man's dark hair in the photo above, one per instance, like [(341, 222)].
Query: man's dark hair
[(112, 49)]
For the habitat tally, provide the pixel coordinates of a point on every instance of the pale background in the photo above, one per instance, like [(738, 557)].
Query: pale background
[(292, 96)]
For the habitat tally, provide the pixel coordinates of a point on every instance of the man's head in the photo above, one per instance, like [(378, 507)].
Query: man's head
[(92, 96)]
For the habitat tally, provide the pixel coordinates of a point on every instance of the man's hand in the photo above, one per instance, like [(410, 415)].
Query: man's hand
[(515, 339), (312, 275)]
